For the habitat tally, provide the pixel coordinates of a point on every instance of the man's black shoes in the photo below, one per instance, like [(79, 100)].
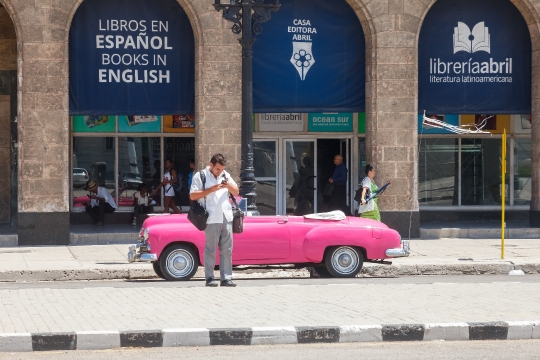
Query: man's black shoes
[(211, 282), (227, 283)]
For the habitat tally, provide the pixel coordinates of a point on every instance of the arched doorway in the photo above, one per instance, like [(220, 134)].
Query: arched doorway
[(474, 62), (131, 100), (8, 124), (309, 96)]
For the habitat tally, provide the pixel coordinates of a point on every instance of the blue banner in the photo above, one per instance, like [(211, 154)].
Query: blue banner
[(131, 57), (310, 57), (474, 57)]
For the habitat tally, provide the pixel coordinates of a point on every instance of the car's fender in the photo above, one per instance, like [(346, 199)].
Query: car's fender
[(373, 240), (162, 235)]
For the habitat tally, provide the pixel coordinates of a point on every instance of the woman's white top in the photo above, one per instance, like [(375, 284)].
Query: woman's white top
[(169, 190), (140, 199)]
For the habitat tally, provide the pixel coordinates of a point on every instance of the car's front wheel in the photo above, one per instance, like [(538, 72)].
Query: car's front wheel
[(343, 261), (178, 263), (157, 270)]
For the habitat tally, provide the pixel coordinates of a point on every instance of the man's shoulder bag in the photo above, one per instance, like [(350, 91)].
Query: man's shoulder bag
[(197, 214), (238, 217), (328, 189)]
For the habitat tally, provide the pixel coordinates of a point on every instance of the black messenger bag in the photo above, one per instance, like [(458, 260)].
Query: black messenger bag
[(238, 218), (197, 214)]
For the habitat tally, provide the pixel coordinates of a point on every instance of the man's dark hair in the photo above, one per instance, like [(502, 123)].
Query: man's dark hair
[(218, 158), (170, 160), (192, 161)]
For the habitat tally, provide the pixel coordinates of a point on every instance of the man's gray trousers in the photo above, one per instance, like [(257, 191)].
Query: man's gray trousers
[(218, 234)]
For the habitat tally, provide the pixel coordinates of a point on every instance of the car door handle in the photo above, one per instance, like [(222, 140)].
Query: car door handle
[(283, 221)]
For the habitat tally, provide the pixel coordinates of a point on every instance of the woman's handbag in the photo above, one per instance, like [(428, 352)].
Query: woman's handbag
[(197, 214), (238, 218), (328, 189), (369, 206), (358, 194)]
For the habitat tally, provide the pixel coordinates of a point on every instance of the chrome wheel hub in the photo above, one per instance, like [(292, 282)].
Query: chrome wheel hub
[(345, 260), (180, 263)]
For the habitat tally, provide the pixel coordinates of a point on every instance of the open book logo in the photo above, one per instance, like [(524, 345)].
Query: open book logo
[(477, 40)]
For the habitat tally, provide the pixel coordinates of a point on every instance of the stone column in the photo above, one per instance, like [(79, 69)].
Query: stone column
[(8, 111), (532, 18), (391, 113), (217, 90), (43, 122)]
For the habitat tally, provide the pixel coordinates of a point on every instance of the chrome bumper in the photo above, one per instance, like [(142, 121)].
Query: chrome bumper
[(404, 250), (135, 254)]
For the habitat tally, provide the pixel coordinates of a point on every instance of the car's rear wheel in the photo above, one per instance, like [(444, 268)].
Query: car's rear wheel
[(322, 271), (178, 263), (157, 270), (343, 261)]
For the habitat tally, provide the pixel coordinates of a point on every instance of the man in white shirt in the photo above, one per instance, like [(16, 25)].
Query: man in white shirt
[(214, 196), (101, 202)]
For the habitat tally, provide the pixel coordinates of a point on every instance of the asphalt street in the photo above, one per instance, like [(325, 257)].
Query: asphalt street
[(456, 350)]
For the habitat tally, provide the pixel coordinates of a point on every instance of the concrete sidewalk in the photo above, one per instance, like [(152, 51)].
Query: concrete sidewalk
[(155, 314), (428, 257)]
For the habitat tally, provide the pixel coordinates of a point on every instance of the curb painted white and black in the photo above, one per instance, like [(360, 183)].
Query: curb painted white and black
[(98, 340)]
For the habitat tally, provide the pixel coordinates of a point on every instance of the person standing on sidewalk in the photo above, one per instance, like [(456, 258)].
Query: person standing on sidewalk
[(369, 184), (339, 179), (214, 196)]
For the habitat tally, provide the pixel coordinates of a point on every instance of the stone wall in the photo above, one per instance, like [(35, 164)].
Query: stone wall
[(391, 29)]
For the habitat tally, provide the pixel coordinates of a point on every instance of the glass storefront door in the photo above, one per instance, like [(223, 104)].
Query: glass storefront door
[(299, 174), (291, 174), (265, 165)]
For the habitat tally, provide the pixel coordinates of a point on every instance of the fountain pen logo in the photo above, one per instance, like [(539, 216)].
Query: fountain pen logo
[(302, 58), (471, 41)]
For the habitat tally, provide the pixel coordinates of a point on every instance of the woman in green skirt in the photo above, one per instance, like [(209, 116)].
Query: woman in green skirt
[(368, 183)]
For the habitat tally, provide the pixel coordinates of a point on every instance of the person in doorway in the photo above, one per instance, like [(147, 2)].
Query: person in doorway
[(142, 203), (339, 179), (101, 203), (369, 186), (170, 178), (213, 194)]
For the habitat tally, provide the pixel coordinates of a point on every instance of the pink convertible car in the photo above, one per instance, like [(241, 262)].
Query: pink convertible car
[(334, 247)]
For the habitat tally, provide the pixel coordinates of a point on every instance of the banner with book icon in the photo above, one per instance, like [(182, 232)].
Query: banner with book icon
[(474, 57), (94, 123), (139, 123), (179, 123)]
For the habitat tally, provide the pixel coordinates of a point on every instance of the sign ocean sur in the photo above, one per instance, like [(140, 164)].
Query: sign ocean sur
[(483, 70), (131, 57)]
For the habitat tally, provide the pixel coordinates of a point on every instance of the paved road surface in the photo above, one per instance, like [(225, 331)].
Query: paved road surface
[(86, 306), (500, 350)]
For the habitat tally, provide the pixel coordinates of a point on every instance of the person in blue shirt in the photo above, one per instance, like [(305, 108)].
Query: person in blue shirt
[(190, 175), (339, 179)]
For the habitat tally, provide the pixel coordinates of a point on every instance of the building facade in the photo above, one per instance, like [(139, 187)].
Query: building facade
[(73, 108)]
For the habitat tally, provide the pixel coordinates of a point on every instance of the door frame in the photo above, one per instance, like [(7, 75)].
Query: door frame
[(281, 139)]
